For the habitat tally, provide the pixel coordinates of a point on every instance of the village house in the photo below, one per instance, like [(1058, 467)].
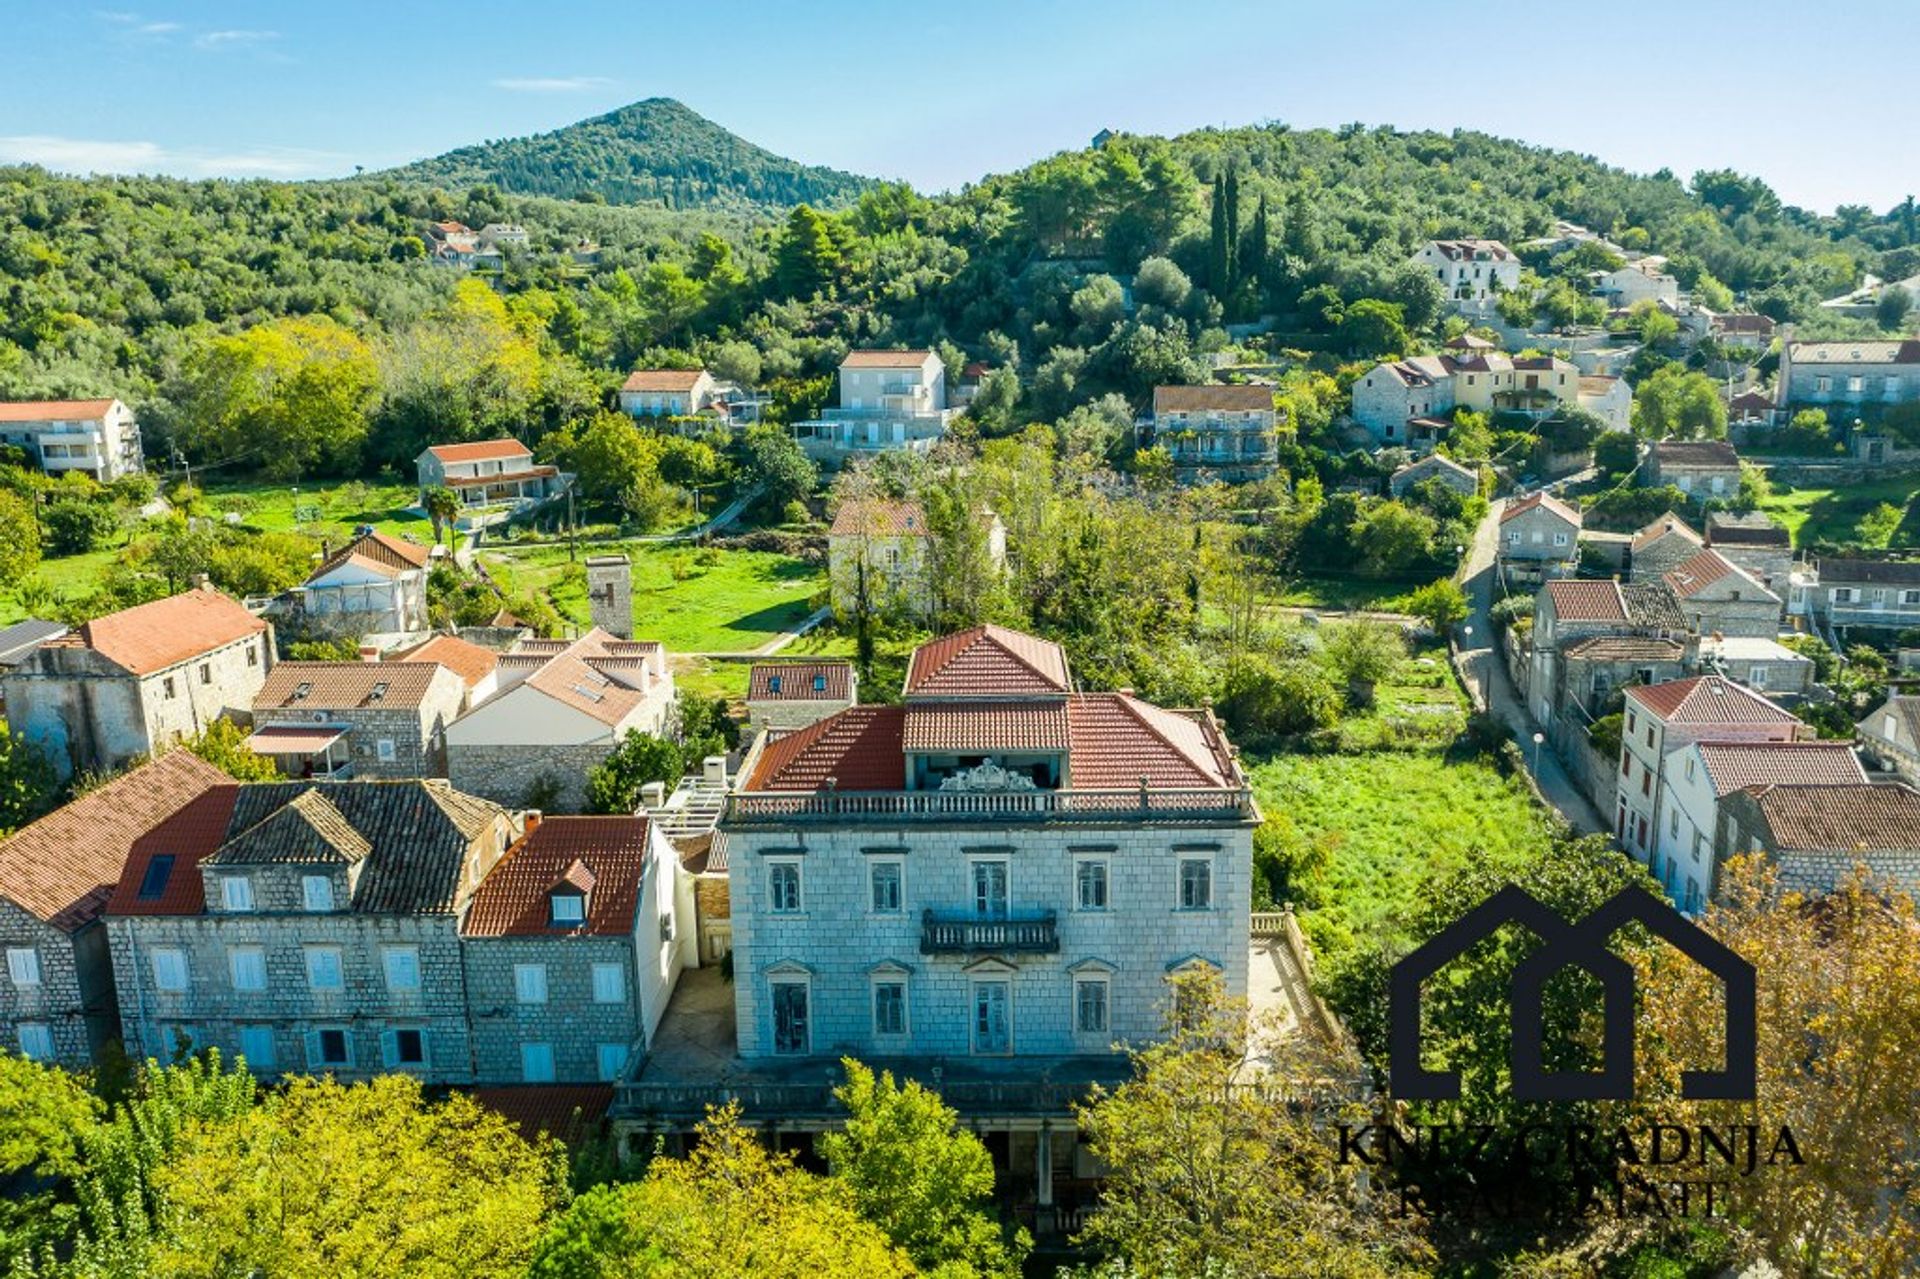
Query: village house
[(134, 682), (888, 400), (791, 695), (1401, 402), (478, 667), (376, 582), (356, 719), (1635, 282), (1539, 536), (1608, 398), (1754, 543), (1434, 466), (1593, 669), (1659, 720), (1844, 592), (1699, 468), (1470, 270), (571, 947), (98, 438), (668, 393), (1662, 546), (1218, 429), (57, 995), (1568, 681), (1743, 329), (1890, 735), (309, 927), (1855, 374), (1749, 409), (1763, 665), (1697, 776), (489, 473), (561, 707), (877, 554), (1718, 598), (1816, 835), (1025, 866)]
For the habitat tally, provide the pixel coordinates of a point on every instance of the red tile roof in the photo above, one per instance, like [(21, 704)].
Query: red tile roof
[(389, 555), (677, 381), (969, 728), (469, 661), (1695, 453), (1839, 818), (1708, 699), (186, 836), (1624, 648), (152, 637), (800, 682), (878, 517), (885, 359), (1118, 739), (1666, 524), (1218, 397), (569, 1112), (1541, 499), (1697, 573), (1586, 601), (860, 747), (54, 410), (1733, 766), (63, 867), (604, 857), (346, 685), (987, 661), (480, 451)]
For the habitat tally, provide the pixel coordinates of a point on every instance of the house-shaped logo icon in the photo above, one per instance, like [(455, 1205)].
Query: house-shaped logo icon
[(1582, 945)]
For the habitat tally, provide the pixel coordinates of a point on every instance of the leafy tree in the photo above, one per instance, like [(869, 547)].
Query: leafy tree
[(27, 780), (729, 1210), (1616, 452), (223, 744), (1392, 536), (1160, 283), (305, 383), (48, 1114), (75, 526), (1098, 305), (775, 461), (1361, 654), (1262, 698), (1371, 329), (1442, 605), (613, 785), (808, 258), (1675, 403), (1206, 1175), (443, 508), (1891, 310), (19, 540), (1877, 527), (919, 1176)]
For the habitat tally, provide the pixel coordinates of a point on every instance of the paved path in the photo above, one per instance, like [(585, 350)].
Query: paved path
[(728, 514), (773, 645), (1485, 674)]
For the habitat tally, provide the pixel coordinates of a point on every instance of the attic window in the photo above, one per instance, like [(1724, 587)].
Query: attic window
[(591, 694), (566, 908), (153, 882), (302, 691), (379, 691), (819, 683), (773, 683)]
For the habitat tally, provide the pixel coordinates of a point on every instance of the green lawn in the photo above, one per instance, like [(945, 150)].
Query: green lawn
[(692, 599), (324, 510), (1825, 514), (1338, 594)]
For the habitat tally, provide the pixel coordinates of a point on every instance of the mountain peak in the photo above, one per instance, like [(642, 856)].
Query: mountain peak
[(653, 151)]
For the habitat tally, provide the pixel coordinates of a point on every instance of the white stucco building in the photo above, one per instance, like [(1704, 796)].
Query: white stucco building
[(668, 393), (1470, 270), (888, 400), (99, 438)]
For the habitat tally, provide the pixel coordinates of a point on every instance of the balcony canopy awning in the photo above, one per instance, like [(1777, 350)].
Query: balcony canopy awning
[(294, 739)]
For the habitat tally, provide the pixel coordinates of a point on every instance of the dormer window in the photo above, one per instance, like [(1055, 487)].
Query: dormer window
[(773, 683), (819, 683), (566, 909)]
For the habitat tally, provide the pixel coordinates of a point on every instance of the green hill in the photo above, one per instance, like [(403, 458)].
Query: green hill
[(651, 151)]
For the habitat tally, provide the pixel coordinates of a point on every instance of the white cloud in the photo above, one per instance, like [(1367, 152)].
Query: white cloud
[(233, 39), (553, 84), (91, 155), (132, 25)]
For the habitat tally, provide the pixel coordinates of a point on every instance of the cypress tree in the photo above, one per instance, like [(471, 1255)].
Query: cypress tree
[(1254, 251), (1219, 254), (1234, 270)]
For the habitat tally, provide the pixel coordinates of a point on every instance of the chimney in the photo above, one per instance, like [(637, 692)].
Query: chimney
[(714, 769), (610, 594), (201, 582), (369, 652), (653, 795), (533, 816)]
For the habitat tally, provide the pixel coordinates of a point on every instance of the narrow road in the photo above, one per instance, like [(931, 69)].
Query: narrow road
[(1485, 673), (727, 515), (773, 645)]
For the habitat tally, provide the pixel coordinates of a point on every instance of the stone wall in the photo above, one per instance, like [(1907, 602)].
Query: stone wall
[(60, 1002), (570, 1020), (508, 774)]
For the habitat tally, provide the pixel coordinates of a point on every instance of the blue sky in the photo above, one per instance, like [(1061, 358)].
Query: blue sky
[(940, 94)]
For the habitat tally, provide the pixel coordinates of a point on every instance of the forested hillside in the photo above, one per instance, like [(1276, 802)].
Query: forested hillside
[(656, 151)]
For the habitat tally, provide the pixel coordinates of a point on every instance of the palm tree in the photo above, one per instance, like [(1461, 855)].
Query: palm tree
[(443, 508)]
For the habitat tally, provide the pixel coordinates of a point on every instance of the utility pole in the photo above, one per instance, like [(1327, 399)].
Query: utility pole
[(573, 529)]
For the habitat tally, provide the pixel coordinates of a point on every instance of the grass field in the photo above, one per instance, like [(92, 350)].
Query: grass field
[(1829, 515), (692, 599), (1339, 594)]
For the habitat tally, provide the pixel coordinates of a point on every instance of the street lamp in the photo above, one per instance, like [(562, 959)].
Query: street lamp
[(1537, 739)]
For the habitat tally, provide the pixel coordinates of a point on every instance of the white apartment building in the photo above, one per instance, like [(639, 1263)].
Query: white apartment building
[(97, 437), (888, 400)]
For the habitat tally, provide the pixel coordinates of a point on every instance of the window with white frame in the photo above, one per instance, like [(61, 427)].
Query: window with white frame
[(783, 887), (247, 967), (1090, 1005), (890, 1007), (36, 1041), (325, 968), (1090, 883), (236, 892), (530, 983), (316, 891), (256, 1045), (536, 1063), (609, 984), (1196, 883), (610, 1061), (170, 969), (1843, 595), (23, 965), (402, 966), (886, 884)]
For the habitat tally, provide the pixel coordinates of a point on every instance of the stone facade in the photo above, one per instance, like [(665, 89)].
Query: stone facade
[(574, 1024), (511, 774), (383, 739), (71, 1004)]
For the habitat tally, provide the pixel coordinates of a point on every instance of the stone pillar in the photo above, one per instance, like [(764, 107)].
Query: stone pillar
[(1043, 1167), (610, 594)]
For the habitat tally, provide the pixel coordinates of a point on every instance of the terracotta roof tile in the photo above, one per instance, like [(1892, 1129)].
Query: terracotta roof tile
[(1216, 397), (604, 857), (675, 381), (974, 727), (1843, 818), (376, 549), (800, 682), (1668, 524), (1708, 699), (1118, 739), (1541, 499), (1695, 453), (1697, 573), (1625, 648), (1587, 601), (1735, 765), (151, 637), (987, 661), (1725, 528), (308, 829), (480, 451), (570, 1112), (469, 661), (346, 685), (860, 747), (63, 867), (885, 359), (54, 410), (878, 517)]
